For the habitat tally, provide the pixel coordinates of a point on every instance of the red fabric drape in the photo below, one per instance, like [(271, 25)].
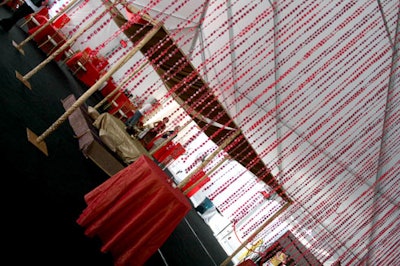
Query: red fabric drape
[(134, 212)]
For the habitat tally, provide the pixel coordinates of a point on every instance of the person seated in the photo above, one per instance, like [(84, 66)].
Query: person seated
[(156, 128), (170, 133), (159, 126), (161, 138)]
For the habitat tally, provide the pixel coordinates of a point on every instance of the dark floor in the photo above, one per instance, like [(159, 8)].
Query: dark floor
[(43, 195)]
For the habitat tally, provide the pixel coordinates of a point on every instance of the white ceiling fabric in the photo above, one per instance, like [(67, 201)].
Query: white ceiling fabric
[(321, 91)]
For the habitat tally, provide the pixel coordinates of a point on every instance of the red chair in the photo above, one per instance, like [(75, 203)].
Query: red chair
[(164, 152), (61, 21), (109, 87), (31, 19), (122, 107), (87, 66), (178, 151), (50, 38), (119, 104), (37, 23), (168, 152)]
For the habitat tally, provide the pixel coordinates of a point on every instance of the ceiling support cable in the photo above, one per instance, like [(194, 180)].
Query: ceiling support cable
[(276, 86), (382, 151), (279, 119), (323, 152), (198, 31), (386, 24), (233, 58)]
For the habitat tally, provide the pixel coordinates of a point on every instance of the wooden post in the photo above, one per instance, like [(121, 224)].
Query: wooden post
[(38, 141), (273, 217), (209, 158), (30, 37), (24, 79)]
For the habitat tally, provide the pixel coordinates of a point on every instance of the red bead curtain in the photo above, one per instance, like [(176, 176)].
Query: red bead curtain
[(313, 86)]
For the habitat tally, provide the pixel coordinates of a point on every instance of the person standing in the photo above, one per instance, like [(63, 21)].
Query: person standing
[(159, 126), (134, 119), (28, 7)]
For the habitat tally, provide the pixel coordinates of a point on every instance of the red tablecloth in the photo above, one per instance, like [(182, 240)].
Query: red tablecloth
[(169, 151), (134, 212)]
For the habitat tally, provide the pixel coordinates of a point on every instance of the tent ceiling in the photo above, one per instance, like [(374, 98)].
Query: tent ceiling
[(314, 88)]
